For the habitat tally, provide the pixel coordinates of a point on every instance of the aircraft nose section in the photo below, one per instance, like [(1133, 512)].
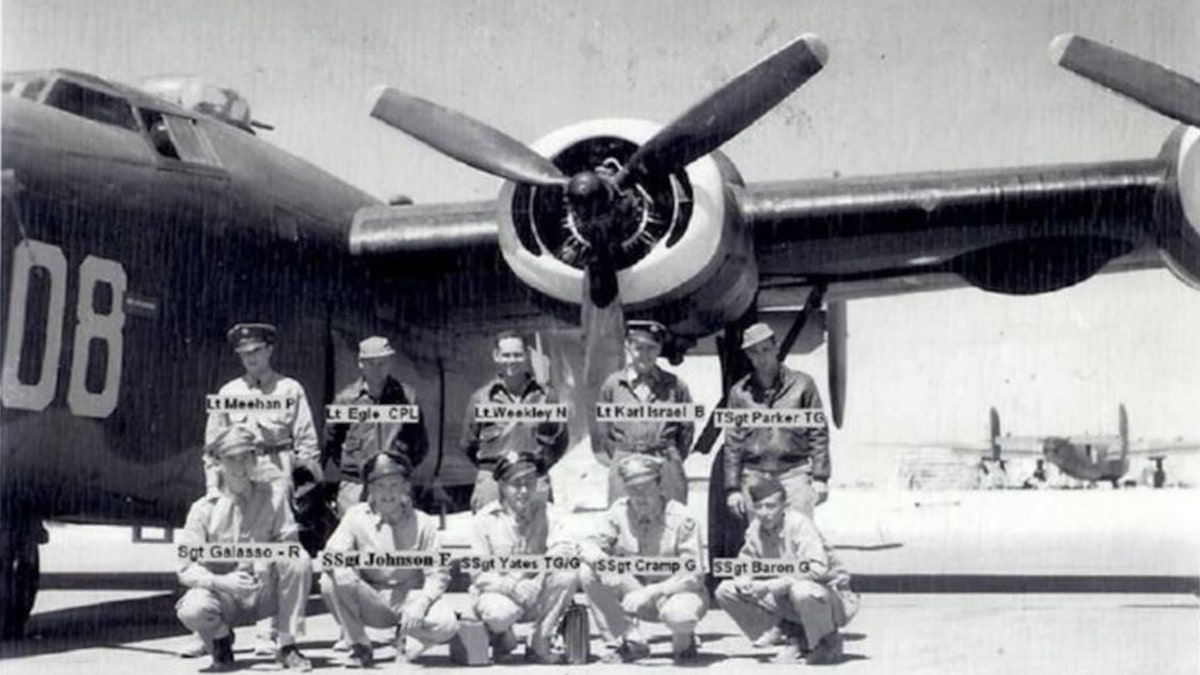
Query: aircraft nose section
[(18, 133)]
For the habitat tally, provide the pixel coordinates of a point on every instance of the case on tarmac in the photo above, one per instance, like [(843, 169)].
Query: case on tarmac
[(469, 646), (576, 634)]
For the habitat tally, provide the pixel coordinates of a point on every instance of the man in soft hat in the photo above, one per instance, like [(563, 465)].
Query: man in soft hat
[(222, 595), (645, 524), (643, 382), (807, 607), (408, 599), (797, 457), (486, 441), (351, 446), (521, 523)]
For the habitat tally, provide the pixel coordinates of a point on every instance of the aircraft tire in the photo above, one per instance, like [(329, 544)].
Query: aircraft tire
[(19, 572)]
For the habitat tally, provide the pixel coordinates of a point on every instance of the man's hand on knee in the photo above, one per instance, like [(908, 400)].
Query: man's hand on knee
[(635, 600)]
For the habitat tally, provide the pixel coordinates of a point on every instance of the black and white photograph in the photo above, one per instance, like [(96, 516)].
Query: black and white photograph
[(857, 335)]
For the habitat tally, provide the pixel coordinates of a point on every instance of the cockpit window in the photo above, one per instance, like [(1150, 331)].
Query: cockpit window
[(30, 89), (179, 138), (89, 103)]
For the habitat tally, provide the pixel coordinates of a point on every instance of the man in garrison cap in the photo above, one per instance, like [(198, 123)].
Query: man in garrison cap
[(287, 439), (645, 524), (221, 595), (806, 607), (410, 600), (351, 446), (486, 441), (796, 456), (643, 382), (520, 522)]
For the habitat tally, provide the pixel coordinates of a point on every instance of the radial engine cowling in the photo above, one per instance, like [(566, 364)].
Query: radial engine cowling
[(683, 255), (1179, 231)]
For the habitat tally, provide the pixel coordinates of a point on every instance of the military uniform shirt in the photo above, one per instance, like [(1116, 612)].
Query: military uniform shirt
[(352, 445), (262, 515), (670, 534), (797, 538), (291, 427), (486, 441), (626, 388), (362, 529), (775, 448), (499, 532)]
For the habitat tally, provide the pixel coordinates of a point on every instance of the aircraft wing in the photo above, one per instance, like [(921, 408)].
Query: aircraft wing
[(1164, 448), (682, 215)]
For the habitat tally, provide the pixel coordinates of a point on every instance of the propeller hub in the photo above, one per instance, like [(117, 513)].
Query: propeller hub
[(586, 188)]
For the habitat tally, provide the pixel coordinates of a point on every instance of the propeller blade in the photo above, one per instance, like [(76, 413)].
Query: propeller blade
[(469, 141), (732, 108), (603, 354), (1156, 87)]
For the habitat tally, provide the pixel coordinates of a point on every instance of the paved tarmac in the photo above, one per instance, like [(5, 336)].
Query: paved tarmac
[(100, 632)]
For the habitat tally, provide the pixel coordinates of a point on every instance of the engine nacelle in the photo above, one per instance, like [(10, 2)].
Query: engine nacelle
[(1179, 227), (684, 256)]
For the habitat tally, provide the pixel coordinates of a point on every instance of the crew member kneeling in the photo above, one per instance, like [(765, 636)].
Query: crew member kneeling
[(521, 523), (808, 606), (644, 523), (408, 599), (222, 595)]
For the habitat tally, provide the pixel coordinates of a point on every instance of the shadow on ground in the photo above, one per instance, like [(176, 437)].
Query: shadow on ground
[(114, 625)]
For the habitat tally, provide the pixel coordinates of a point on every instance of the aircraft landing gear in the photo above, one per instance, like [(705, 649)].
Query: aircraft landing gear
[(19, 569)]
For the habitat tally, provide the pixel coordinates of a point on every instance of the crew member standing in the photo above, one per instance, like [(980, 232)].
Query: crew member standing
[(486, 441), (806, 607), (287, 439), (796, 456), (643, 382), (647, 524), (521, 523), (221, 595), (350, 446), (409, 600)]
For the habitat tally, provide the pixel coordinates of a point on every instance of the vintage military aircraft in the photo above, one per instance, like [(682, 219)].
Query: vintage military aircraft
[(1086, 458), (137, 229)]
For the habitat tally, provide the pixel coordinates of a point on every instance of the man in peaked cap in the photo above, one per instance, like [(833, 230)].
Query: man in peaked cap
[(806, 607), (797, 457), (221, 595), (351, 446), (643, 382), (287, 439), (485, 441), (520, 522), (645, 524), (409, 600)]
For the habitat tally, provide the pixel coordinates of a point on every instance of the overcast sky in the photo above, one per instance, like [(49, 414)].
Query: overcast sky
[(911, 85)]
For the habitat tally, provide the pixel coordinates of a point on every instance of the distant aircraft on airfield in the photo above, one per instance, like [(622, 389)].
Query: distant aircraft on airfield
[(1086, 458)]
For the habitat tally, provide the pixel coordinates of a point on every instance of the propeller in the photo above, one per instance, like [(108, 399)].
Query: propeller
[(598, 198), (1154, 86), (601, 199)]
